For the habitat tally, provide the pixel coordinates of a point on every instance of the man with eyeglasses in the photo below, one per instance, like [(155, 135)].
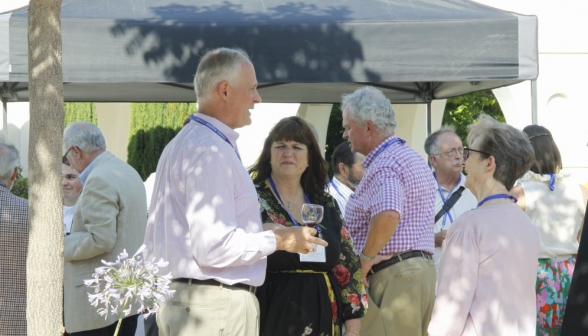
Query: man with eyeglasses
[(445, 152), (110, 217)]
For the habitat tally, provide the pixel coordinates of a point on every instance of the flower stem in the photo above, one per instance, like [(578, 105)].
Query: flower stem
[(118, 326)]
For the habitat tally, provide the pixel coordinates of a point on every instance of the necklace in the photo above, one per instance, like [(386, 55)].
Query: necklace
[(289, 205)]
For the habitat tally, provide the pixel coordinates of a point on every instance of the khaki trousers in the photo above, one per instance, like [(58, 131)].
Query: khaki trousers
[(204, 310), (400, 299)]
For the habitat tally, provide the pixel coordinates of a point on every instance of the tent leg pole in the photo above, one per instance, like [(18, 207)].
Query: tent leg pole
[(428, 118), (5, 118), (534, 102)]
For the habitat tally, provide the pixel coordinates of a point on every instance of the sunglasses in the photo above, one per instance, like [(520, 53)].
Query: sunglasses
[(466, 152)]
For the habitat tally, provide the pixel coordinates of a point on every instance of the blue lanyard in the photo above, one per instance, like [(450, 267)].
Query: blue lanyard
[(497, 196), (336, 189), (388, 144), (4, 185), (215, 130), (551, 181), (446, 214), (271, 181)]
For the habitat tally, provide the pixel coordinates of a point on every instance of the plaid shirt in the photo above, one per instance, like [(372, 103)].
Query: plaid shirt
[(396, 178), (14, 240)]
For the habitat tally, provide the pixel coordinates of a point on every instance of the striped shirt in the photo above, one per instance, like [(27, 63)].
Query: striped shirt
[(397, 178), (340, 193)]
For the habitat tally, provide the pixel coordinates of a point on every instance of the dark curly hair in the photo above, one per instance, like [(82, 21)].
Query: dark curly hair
[(314, 178)]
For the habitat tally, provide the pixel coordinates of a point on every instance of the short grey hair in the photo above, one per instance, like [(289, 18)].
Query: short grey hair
[(8, 160), (84, 135), (510, 147), (370, 104), (222, 64), (432, 143)]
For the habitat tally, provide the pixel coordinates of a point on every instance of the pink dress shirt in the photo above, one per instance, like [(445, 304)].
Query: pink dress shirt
[(487, 275), (204, 216)]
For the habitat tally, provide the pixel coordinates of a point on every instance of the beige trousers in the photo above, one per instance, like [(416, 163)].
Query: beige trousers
[(400, 299), (207, 310)]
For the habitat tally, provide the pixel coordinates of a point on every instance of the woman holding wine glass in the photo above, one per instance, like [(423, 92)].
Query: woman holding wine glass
[(318, 292)]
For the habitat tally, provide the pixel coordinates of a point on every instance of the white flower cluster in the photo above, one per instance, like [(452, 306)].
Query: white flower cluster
[(129, 282)]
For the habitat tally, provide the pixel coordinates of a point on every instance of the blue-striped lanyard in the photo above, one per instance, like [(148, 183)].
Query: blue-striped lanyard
[(388, 144), (215, 130), (271, 181), (447, 213), (497, 196), (335, 187)]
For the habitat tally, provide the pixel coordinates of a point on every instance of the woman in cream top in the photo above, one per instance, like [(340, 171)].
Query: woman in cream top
[(556, 205)]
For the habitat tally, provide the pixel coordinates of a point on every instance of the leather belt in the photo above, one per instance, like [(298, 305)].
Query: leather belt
[(212, 282), (398, 258)]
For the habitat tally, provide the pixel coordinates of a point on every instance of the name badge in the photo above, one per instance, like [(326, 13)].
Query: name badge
[(320, 255)]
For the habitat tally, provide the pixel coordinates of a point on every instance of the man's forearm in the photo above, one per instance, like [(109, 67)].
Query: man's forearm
[(382, 228)]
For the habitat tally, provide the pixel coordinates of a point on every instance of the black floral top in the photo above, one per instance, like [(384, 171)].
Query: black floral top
[(309, 298)]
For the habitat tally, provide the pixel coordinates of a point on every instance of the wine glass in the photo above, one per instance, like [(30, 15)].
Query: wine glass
[(312, 214)]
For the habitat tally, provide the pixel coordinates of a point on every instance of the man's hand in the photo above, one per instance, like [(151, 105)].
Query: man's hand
[(297, 239), (440, 237), (366, 266)]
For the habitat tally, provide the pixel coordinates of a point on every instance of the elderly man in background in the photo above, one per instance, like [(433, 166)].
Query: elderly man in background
[(348, 170), (204, 216), (445, 152), (110, 216), (14, 242), (390, 217)]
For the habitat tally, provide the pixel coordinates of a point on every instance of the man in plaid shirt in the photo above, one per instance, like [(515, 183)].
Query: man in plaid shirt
[(14, 241), (390, 217)]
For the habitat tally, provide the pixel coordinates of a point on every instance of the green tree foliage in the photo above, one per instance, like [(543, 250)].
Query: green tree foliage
[(334, 134), (463, 110), (153, 125), (80, 112), (21, 185)]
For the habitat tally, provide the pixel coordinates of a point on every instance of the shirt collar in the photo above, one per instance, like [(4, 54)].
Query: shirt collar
[(84, 175), (341, 185), (461, 183), (373, 153), (230, 133)]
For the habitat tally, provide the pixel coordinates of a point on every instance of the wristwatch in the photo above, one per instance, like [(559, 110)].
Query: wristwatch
[(366, 258)]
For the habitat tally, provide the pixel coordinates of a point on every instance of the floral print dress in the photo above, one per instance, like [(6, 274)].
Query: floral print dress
[(309, 298)]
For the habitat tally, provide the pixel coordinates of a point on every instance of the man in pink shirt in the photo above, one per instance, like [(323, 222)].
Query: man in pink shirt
[(390, 217), (204, 216)]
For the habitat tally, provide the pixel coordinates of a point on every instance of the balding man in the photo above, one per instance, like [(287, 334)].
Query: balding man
[(110, 217), (445, 152)]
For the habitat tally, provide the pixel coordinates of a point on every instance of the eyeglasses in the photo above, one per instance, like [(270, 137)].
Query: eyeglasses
[(64, 158), (466, 153), (452, 152)]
